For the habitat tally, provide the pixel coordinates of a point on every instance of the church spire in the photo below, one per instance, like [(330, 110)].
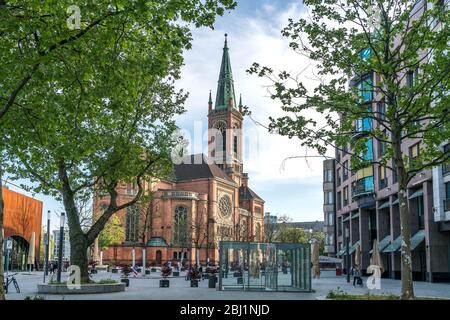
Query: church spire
[(225, 97)]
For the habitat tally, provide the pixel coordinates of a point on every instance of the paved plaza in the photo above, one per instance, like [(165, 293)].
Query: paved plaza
[(147, 288)]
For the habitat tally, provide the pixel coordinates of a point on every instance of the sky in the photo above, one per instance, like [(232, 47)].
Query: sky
[(293, 187)]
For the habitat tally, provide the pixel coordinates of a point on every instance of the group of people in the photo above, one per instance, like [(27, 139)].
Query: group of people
[(53, 266)]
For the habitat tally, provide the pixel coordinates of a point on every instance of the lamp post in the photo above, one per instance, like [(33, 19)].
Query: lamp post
[(61, 242), (47, 245), (347, 255)]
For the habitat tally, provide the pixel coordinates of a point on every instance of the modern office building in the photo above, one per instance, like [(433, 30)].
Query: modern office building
[(367, 207), (270, 218), (66, 245)]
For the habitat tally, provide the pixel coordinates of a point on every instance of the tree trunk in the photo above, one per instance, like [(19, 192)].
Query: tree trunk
[(2, 291), (407, 292), (78, 254)]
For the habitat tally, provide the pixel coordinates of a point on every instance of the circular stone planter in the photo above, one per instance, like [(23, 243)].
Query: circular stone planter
[(83, 289)]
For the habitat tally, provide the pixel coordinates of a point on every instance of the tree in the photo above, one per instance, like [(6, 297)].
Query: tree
[(112, 233), (96, 104), (404, 44)]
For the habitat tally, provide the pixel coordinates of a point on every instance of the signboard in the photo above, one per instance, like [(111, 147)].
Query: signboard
[(9, 244)]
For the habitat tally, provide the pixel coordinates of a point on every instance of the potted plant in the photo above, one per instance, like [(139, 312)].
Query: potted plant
[(212, 277), (176, 273), (194, 276), (165, 272), (126, 270)]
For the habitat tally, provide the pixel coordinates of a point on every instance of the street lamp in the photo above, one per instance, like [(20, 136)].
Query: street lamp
[(61, 242), (347, 255), (47, 245)]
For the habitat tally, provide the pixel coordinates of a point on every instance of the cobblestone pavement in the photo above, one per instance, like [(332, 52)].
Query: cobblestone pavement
[(147, 288)]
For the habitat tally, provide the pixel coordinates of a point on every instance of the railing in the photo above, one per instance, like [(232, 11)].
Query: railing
[(363, 186), (180, 195)]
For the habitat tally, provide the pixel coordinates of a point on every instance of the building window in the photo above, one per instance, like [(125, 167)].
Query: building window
[(447, 197), (420, 213), (446, 166), (382, 177), (330, 219), (345, 171), (381, 106), (339, 226), (338, 199), (329, 197), (345, 196), (235, 144), (414, 152), (180, 232), (338, 177), (132, 224), (328, 175)]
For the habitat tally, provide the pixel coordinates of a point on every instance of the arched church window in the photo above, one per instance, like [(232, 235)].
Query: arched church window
[(225, 205), (180, 231), (132, 224)]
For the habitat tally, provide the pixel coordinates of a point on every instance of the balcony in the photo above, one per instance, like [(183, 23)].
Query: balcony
[(445, 169), (364, 186)]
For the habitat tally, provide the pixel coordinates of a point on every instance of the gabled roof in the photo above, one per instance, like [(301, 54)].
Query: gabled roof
[(199, 166), (245, 193)]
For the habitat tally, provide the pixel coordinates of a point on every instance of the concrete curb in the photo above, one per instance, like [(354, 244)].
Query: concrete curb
[(84, 289)]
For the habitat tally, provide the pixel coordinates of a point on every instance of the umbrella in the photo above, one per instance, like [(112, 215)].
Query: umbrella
[(376, 256), (315, 260), (358, 258), (32, 251)]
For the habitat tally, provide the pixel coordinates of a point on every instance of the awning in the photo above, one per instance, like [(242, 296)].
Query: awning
[(383, 243), (355, 215), (346, 219), (416, 194), (395, 202), (394, 246), (383, 205), (417, 239), (157, 242), (342, 251), (353, 247)]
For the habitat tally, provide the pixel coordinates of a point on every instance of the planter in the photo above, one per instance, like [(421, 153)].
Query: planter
[(82, 289), (176, 273), (212, 282), (126, 281), (194, 283), (153, 269), (240, 280), (115, 271), (147, 271), (164, 283), (139, 270), (94, 271)]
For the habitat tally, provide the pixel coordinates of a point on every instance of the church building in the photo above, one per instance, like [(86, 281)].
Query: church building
[(207, 200)]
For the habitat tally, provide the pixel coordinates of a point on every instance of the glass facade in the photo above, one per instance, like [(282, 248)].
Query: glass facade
[(255, 266)]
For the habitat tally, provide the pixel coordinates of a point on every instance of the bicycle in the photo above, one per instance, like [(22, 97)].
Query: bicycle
[(11, 279)]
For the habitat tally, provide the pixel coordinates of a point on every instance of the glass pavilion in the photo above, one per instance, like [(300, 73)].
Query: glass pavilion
[(254, 266)]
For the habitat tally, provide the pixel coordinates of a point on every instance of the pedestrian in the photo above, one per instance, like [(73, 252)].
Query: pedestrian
[(51, 267)]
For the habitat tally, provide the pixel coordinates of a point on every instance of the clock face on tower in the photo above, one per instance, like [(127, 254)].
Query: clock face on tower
[(225, 205)]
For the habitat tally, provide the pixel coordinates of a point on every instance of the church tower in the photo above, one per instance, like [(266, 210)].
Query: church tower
[(225, 123)]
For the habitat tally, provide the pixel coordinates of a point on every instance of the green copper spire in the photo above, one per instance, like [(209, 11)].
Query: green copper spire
[(240, 100), (225, 89), (210, 98)]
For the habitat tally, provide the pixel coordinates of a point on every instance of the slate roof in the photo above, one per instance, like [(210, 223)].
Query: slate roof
[(205, 169), (245, 193)]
